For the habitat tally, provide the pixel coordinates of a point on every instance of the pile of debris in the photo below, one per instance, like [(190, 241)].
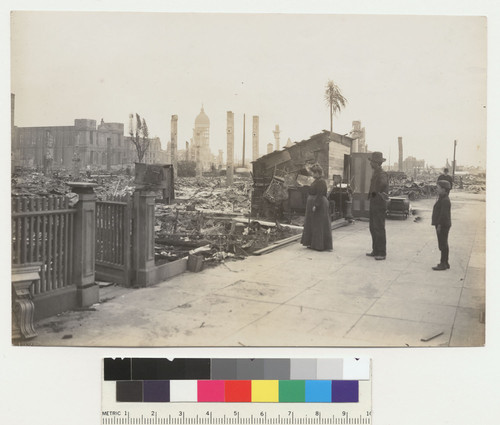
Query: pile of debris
[(211, 194), (216, 236), (413, 190), (471, 183), (213, 220), (111, 184), (26, 182)]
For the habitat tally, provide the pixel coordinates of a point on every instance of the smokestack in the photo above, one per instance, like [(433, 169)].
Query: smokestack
[(230, 148), (276, 132), (187, 150), (108, 154), (243, 160), (255, 138), (169, 152), (219, 159), (400, 158), (269, 147), (173, 140)]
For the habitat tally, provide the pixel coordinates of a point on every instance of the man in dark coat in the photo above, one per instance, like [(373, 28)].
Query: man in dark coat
[(378, 196), (441, 218), (446, 177)]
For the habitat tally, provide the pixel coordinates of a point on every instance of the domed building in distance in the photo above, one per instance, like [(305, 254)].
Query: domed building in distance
[(201, 140)]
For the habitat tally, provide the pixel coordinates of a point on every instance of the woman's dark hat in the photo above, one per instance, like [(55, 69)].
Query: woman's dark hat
[(445, 184), (377, 157)]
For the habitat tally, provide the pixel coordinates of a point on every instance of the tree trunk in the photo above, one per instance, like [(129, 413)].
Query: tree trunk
[(331, 118)]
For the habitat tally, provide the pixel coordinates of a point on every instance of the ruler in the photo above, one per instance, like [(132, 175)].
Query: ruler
[(237, 415)]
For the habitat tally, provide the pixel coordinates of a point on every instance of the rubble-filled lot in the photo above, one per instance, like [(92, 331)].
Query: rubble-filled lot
[(207, 217), (212, 220), (424, 185)]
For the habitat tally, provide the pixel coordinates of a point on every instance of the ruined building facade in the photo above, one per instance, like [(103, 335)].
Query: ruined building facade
[(82, 145), (358, 134)]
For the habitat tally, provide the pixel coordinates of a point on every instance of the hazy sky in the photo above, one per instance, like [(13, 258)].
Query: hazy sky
[(419, 77)]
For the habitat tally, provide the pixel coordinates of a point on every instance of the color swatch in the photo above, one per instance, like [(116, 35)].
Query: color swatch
[(158, 380)]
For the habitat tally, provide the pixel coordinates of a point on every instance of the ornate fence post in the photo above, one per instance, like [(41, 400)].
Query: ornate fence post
[(144, 236), (84, 244), (23, 309)]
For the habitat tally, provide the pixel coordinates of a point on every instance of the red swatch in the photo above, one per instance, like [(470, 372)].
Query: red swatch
[(211, 391), (238, 391)]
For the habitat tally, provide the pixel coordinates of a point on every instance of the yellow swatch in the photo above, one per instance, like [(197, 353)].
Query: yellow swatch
[(265, 391)]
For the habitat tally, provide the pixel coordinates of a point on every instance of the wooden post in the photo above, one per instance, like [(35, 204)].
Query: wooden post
[(230, 149), (243, 161), (144, 237), (454, 162), (84, 244)]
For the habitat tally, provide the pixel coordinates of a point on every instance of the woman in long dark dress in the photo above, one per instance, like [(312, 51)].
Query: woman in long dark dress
[(317, 233)]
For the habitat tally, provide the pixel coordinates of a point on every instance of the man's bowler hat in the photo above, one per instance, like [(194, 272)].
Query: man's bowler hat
[(377, 157)]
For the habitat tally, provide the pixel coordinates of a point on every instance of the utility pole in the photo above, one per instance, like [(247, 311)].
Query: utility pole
[(230, 148), (454, 161), (243, 161)]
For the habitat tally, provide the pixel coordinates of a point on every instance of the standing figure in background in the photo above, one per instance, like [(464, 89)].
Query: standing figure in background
[(441, 218), (378, 196), (446, 177), (317, 233)]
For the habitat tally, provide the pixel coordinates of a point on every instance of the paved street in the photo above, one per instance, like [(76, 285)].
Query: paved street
[(298, 297)]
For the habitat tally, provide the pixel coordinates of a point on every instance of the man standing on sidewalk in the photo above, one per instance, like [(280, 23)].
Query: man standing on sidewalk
[(441, 218), (378, 197)]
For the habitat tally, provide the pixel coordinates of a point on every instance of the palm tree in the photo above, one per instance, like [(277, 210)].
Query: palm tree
[(334, 100)]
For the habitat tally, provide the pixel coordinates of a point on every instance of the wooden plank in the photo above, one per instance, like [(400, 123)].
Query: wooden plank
[(61, 246), (48, 258), (55, 231), (13, 233), (24, 247), (44, 223), (106, 232), (66, 247), (277, 245), (71, 230), (18, 233), (37, 229), (114, 221), (117, 225), (267, 223), (119, 231), (98, 248), (108, 202), (55, 275), (35, 213), (283, 242), (32, 236), (109, 229), (127, 228)]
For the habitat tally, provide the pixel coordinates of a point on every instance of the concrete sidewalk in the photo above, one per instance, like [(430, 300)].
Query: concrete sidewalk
[(298, 297)]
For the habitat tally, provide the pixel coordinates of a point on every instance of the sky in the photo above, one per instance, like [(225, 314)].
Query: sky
[(422, 78)]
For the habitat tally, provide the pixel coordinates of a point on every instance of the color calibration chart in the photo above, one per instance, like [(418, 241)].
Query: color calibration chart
[(236, 391)]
